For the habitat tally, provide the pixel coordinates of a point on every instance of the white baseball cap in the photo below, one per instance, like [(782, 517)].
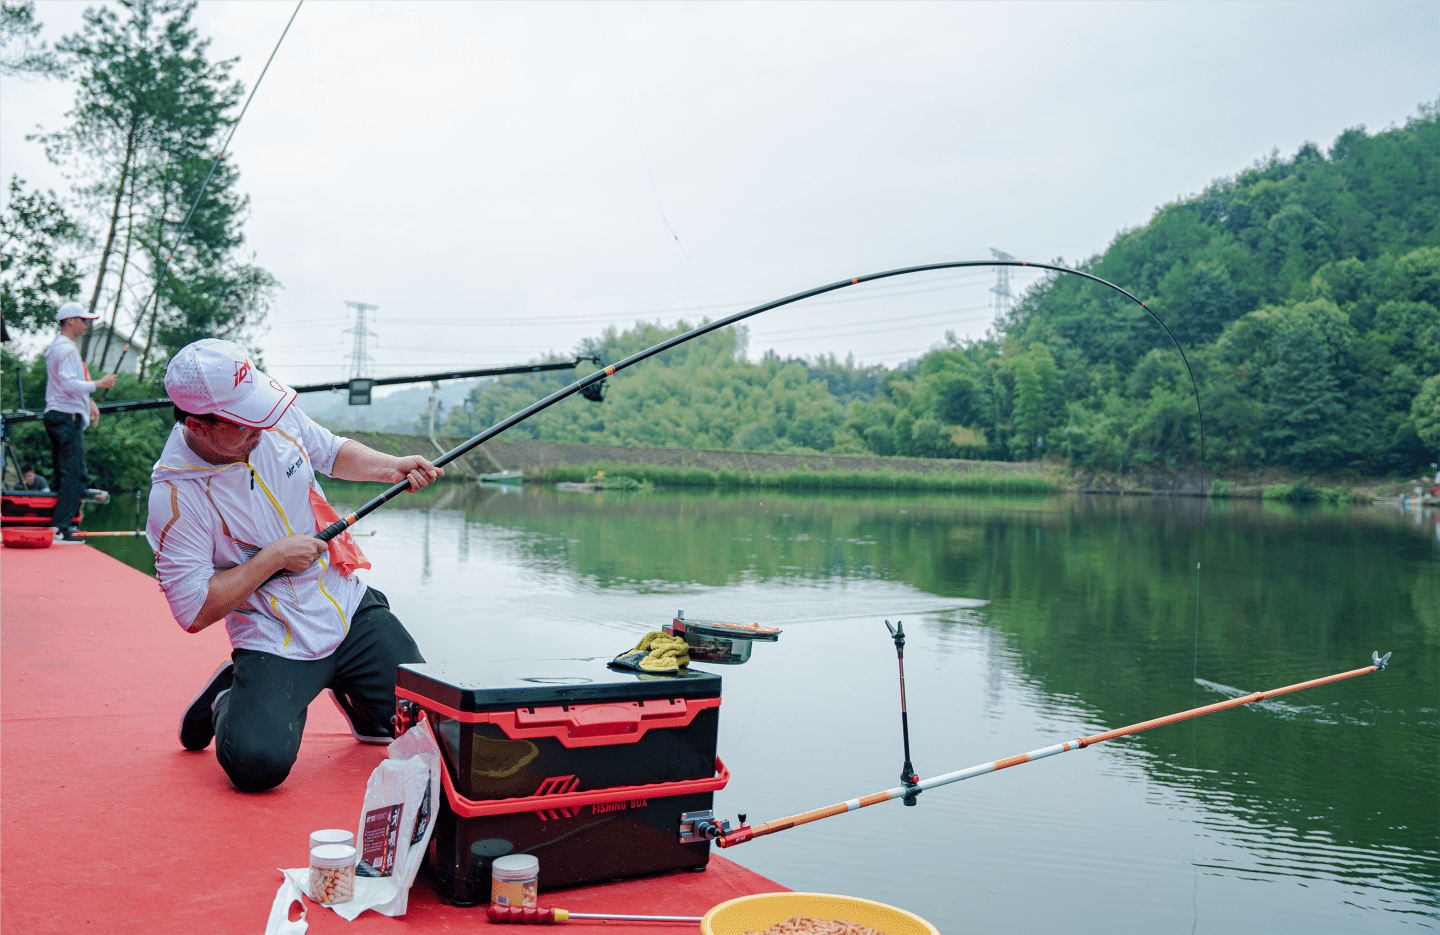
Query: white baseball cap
[(214, 377), (74, 310)]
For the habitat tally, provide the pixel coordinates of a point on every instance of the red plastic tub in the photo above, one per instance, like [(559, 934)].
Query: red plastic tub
[(28, 537)]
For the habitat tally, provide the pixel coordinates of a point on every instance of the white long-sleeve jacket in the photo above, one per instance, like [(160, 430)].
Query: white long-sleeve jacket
[(205, 518), (67, 380)]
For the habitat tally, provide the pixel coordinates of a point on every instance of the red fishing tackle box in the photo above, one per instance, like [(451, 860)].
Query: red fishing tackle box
[(27, 508), (586, 767)]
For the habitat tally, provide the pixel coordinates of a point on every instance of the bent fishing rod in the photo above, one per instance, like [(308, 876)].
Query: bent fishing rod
[(723, 836), (588, 381)]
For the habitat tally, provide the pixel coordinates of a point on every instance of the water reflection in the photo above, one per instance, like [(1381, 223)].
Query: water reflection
[(1032, 621)]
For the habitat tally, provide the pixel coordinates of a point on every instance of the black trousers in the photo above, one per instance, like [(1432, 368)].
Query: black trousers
[(258, 722), (67, 449)]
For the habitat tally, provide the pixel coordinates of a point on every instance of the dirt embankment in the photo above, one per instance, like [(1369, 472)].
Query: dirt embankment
[(1244, 483), (531, 456)]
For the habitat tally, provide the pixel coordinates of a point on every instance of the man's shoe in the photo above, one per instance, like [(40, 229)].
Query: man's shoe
[(67, 536), (196, 727), (361, 727)]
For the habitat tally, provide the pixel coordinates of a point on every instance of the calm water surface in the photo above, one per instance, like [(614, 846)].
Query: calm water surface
[(1031, 621)]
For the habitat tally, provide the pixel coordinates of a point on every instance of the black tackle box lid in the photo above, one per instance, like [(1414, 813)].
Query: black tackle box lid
[(490, 686)]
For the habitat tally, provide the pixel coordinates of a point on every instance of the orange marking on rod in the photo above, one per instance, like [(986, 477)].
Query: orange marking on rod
[(351, 519), (610, 371), (853, 280), (1015, 760), (873, 799)]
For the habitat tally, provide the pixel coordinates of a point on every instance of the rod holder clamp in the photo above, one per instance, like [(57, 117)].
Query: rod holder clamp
[(697, 827), (407, 715), (1380, 661), (897, 633)]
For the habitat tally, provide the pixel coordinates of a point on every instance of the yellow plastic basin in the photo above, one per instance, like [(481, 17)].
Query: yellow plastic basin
[(759, 912)]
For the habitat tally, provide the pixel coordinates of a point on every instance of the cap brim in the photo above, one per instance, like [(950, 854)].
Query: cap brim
[(264, 406)]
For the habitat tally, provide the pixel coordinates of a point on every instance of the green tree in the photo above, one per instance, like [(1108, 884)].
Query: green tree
[(19, 56), (1425, 410), (1343, 243), (147, 121), (1304, 405), (35, 271), (1037, 398)]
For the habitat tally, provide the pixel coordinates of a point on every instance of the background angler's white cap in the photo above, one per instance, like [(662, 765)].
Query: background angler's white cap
[(74, 310), (214, 377)]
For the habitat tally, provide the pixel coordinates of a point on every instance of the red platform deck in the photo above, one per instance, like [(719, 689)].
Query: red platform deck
[(108, 825)]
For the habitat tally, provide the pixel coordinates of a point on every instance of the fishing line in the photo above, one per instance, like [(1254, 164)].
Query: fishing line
[(654, 190), (165, 264), (339, 526), (1195, 754)]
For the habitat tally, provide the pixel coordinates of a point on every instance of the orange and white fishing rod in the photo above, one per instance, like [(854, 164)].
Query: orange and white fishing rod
[(745, 833)]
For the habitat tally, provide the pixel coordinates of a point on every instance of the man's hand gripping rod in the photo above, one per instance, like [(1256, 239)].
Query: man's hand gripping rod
[(579, 386)]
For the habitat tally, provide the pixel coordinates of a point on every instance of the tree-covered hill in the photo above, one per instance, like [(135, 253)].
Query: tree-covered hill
[(702, 394), (1304, 290)]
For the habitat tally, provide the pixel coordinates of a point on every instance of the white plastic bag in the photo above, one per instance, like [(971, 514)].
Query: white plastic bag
[(417, 821), (407, 785), (395, 788), (279, 922)]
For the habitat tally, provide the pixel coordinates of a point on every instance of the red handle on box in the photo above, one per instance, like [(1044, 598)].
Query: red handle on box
[(580, 725)]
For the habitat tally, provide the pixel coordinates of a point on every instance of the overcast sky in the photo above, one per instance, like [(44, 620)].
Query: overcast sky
[(505, 179)]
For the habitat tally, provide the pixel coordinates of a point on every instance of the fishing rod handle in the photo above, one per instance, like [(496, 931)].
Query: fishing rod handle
[(350, 519), (525, 915)]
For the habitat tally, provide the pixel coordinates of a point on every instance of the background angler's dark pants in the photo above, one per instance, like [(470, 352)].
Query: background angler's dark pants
[(258, 722), (67, 449)]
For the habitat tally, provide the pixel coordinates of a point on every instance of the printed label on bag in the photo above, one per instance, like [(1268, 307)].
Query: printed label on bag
[(380, 841)]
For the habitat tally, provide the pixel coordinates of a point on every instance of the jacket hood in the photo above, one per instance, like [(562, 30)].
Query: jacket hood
[(178, 462)]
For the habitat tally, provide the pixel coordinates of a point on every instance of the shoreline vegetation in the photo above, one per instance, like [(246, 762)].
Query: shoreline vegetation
[(573, 463), (608, 476), (664, 475)]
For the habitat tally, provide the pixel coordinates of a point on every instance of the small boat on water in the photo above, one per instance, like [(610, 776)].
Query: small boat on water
[(512, 478)]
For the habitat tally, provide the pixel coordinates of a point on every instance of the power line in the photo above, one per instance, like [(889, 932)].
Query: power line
[(654, 189), (612, 317)]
